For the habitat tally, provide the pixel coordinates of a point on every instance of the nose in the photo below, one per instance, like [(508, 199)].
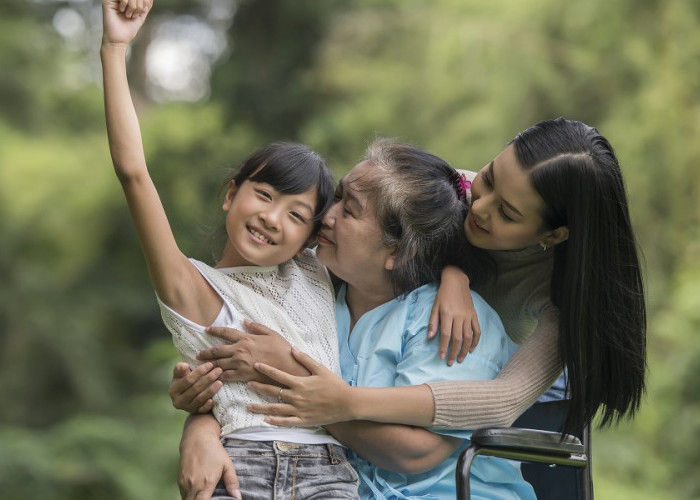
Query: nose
[(328, 219), (271, 218), (479, 207)]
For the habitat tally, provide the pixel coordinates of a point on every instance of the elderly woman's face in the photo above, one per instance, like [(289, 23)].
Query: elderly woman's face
[(349, 242)]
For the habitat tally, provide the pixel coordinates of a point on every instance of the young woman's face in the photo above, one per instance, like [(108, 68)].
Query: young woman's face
[(349, 242), (505, 209), (265, 227)]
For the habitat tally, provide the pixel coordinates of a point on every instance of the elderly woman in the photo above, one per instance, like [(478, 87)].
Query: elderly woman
[(396, 222)]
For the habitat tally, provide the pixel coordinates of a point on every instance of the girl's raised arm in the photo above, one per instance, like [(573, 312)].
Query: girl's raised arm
[(174, 278)]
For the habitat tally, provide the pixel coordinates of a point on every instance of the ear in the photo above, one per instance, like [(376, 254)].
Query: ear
[(230, 194), (390, 260), (556, 236)]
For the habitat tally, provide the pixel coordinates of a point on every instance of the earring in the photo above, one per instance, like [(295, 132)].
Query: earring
[(543, 245)]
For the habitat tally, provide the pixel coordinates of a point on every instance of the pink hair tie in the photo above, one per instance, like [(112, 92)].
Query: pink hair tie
[(463, 185)]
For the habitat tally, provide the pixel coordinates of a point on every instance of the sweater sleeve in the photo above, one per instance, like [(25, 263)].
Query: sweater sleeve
[(532, 369)]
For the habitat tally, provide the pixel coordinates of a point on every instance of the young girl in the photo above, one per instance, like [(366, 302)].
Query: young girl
[(273, 207)]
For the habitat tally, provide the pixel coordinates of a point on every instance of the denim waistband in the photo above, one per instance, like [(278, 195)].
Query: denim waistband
[(284, 448)]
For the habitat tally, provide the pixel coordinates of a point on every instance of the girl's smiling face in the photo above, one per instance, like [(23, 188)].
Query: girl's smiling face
[(265, 227), (505, 208)]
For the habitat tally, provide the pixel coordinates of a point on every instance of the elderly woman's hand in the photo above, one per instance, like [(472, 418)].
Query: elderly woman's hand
[(455, 314), (243, 350), (319, 399)]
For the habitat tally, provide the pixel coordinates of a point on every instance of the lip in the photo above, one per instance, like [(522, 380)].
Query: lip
[(256, 239), (474, 225), (323, 239)]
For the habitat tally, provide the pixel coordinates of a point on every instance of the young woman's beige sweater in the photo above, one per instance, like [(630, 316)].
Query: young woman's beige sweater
[(521, 297)]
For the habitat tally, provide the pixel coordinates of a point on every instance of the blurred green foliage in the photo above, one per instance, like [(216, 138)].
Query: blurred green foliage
[(84, 359)]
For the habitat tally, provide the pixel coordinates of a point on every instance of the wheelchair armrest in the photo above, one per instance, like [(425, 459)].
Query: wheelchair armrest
[(524, 445), (533, 440)]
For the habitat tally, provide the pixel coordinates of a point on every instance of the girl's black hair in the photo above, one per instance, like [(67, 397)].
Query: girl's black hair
[(290, 168), (596, 279)]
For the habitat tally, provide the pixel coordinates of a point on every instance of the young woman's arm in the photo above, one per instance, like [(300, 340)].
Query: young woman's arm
[(323, 398), (533, 368), (175, 280)]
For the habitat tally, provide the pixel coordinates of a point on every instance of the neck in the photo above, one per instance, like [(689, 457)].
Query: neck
[(363, 299)]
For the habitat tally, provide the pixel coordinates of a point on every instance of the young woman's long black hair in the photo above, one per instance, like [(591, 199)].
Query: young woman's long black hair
[(596, 279)]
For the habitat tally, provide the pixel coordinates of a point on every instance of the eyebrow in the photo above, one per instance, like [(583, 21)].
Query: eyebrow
[(505, 202), (303, 204), (352, 198)]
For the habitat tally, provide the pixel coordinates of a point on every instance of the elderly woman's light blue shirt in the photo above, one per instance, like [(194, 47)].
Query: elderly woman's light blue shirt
[(389, 346)]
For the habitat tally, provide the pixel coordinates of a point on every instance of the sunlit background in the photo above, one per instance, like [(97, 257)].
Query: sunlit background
[(84, 360)]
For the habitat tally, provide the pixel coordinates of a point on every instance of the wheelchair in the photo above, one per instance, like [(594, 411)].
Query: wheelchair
[(557, 465)]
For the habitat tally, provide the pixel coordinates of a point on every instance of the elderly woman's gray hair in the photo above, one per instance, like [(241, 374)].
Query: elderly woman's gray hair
[(419, 210)]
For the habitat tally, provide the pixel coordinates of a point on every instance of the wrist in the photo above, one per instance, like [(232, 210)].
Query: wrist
[(359, 403), (198, 429), (117, 48), (454, 272)]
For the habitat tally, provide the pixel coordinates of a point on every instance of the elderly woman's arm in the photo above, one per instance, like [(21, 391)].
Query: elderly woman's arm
[(396, 448)]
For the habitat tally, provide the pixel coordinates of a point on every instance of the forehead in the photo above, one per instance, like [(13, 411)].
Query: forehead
[(362, 173), (359, 181), (512, 184)]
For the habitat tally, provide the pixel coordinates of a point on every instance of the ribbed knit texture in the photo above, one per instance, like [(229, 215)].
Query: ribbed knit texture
[(520, 295)]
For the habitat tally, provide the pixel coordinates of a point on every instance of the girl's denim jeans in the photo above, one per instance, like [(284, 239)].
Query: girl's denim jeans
[(289, 471)]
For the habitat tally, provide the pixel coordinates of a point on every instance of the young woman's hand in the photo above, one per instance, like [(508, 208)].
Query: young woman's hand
[(193, 390), (204, 461), (454, 312), (258, 344), (122, 20), (318, 399)]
